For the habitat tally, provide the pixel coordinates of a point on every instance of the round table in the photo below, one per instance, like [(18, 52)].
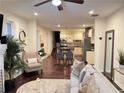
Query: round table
[(45, 86)]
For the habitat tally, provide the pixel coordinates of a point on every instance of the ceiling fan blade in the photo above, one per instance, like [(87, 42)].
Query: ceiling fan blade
[(75, 1), (60, 7), (42, 3)]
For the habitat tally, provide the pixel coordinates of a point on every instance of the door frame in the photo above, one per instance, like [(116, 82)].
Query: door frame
[(112, 54)]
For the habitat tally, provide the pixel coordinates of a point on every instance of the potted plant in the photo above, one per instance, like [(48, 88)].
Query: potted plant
[(12, 61), (121, 59), (41, 52)]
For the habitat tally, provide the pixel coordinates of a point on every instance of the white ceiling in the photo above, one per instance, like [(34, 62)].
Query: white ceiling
[(73, 15)]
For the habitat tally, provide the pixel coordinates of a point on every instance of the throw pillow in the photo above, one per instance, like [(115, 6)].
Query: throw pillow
[(77, 67), (83, 89), (88, 81), (90, 68), (32, 60), (82, 74), (89, 71), (84, 86), (75, 63), (92, 85)]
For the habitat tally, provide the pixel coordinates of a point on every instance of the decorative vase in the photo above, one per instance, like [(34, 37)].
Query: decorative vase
[(121, 66)]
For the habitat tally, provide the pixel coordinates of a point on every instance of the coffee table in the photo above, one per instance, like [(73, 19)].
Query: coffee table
[(46, 86)]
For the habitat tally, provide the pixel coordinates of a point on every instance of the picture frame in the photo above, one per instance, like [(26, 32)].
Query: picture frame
[(22, 36)]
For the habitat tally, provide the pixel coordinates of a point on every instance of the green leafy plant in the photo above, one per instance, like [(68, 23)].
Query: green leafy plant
[(13, 60), (121, 58), (41, 52)]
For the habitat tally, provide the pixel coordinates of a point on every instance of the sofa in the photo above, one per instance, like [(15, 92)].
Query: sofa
[(87, 79)]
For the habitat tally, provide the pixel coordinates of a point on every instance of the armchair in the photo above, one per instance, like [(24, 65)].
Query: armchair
[(32, 62)]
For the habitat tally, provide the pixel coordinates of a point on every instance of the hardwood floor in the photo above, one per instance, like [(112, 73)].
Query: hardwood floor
[(50, 71)]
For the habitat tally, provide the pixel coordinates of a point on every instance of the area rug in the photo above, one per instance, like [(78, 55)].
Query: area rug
[(46, 86)]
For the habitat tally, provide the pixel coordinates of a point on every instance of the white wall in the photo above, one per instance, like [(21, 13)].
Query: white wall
[(31, 36), (116, 22), (45, 36), (30, 28), (100, 28), (19, 23)]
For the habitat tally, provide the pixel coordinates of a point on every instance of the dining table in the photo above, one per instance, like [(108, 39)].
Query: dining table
[(66, 48)]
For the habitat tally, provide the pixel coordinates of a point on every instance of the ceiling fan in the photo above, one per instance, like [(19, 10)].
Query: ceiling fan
[(58, 3)]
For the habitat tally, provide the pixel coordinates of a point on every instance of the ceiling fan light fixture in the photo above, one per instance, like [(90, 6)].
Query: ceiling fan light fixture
[(56, 2)]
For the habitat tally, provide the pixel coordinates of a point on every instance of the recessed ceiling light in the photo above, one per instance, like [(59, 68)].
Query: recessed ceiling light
[(91, 12), (35, 14), (59, 26)]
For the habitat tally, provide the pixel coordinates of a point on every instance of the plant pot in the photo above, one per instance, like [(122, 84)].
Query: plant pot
[(121, 66), (9, 85)]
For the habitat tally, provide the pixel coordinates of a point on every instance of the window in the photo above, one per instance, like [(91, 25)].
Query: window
[(9, 29)]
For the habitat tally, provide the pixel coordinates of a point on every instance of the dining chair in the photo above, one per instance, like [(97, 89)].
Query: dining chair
[(60, 56), (69, 56), (57, 50)]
